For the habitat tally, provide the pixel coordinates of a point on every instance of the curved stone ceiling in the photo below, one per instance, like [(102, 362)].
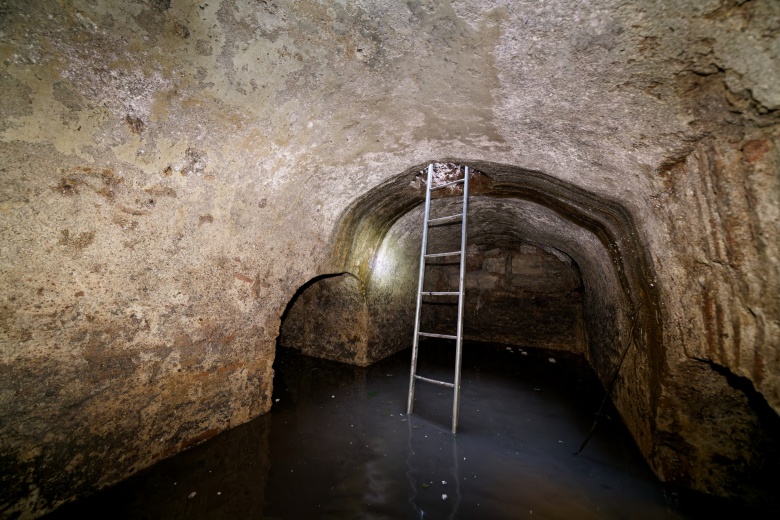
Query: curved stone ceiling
[(173, 171), (512, 205)]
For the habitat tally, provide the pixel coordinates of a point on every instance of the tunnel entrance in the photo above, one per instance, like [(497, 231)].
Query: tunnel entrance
[(327, 318), (619, 325), (518, 292), (567, 261)]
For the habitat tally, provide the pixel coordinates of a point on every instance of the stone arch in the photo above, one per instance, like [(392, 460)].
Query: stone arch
[(598, 232), (327, 317), (656, 392)]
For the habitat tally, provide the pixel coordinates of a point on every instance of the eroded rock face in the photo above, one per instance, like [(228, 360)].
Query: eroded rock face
[(172, 172), (329, 319), (718, 435), (518, 295)]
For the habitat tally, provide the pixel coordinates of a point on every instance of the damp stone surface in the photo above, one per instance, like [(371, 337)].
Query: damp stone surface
[(174, 174)]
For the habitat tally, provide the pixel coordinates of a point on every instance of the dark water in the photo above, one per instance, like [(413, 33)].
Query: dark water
[(338, 444)]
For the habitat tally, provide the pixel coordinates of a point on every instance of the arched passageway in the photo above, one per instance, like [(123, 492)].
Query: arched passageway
[(549, 266)]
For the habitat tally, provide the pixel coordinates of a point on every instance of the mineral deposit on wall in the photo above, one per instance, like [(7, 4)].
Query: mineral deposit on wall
[(173, 171)]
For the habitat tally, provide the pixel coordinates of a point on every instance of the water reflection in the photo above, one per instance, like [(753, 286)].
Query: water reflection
[(338, 444)]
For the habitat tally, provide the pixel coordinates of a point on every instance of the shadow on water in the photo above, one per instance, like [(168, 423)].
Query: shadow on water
[(338, 444)]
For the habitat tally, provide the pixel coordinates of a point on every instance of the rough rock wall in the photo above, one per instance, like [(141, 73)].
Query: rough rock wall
[(518, 295), (727, 268), (328, 319), (342, 318), (268, 120), (139, 309), (392, 289), (722, 313)]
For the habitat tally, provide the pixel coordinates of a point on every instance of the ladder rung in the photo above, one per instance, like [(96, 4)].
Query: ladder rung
[(432, 335), (439, 293), (435, 381), (444, 220), (436, 255), (440, 186)]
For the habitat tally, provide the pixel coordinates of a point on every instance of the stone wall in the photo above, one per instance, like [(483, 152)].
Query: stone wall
[(721, 315), (172, 172), (519, 295), (328, 318)]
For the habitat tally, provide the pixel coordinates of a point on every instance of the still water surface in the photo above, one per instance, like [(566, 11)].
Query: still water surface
[(338, 444)]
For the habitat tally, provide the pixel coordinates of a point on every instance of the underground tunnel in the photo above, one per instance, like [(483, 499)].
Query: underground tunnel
[(210, 225)]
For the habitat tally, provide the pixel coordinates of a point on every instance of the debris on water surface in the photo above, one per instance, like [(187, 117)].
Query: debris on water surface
[(444, 497), (425, 485), (192, 494), (551, 360), (537, 389)]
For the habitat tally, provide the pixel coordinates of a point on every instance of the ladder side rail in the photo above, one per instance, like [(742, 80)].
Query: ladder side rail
[(416, 340), (461, 301)]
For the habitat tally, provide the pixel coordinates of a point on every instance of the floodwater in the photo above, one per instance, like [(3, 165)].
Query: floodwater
[(339, 444)]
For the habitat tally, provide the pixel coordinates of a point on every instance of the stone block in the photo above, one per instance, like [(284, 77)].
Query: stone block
[(481, 280), (495, 265), (527, 265)]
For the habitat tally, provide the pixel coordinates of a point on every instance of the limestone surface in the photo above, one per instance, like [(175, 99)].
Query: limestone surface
[(172, 172)]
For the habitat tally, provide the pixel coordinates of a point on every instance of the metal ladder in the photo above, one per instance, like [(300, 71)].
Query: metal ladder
[(424, 256)]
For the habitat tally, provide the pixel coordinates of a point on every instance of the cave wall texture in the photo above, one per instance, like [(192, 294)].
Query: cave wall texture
[(172, 172)]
